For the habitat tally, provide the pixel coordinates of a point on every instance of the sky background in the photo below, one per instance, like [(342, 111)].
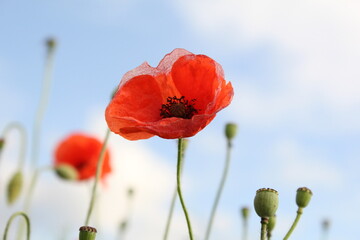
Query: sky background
[(295, 70)]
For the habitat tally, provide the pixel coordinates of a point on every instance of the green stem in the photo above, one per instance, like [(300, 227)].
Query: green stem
[(173, 202), (219, 191), (264, 222), (245, 230), (168, 222), (178, 173), (20, 128), (44, 99), (97, 177), (298, 215), (29, 195), (27, 220)]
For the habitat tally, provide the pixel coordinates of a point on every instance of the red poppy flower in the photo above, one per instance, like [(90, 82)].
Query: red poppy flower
[(82, 152), (176, 99)]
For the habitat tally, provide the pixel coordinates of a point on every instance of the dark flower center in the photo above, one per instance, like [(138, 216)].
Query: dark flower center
[(178, 107)]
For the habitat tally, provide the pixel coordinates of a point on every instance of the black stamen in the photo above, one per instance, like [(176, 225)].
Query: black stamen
[(178, 107)]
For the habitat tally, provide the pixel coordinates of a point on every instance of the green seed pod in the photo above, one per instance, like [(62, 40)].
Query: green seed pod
[(303, 197), (245, 212), (266, 202), (230, 131), (14, 187), (66, 171), (87, 233)]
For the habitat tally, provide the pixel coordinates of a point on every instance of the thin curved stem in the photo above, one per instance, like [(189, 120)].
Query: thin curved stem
[(298, 215), (97, 177), (20, 128), (173, 202), (171, 211), (178, 173), (8, 224), (29, 195), (44, 99), (219, 191)]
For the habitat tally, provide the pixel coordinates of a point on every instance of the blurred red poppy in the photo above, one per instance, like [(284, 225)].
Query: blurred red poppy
[(176, 99), (82, 153)]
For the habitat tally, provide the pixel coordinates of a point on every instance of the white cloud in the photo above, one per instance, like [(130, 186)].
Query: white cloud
[(298, 166), (319, 39)]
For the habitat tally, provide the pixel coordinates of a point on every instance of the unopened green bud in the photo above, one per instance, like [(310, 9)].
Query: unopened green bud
[(266, 202), (230, 131), (14, 187), (67, 172), (87, 233), (271, 223), (245, 212), (303, 197), (51, 44)]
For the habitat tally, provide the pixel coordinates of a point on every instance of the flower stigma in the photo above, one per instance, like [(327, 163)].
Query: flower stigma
[(178, 107)]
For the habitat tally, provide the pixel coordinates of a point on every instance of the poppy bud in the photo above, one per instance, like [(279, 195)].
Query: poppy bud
[(2, 142), (271, 223), (230, 131), (245, 212), (87, 233), (51, 44), (266, 202), (303, 196), (14, 187), (66, 171)]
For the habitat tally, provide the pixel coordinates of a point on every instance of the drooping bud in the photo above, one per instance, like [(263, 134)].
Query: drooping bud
[(266, 202), (67, 172), (230, 131), (14, 187), (303, 197), (245, 212), (87, 233)]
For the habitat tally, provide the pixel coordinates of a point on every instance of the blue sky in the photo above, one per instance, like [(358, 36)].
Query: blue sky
[(294, 67)]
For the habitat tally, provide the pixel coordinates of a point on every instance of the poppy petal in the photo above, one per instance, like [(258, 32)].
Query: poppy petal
[(198, 77)]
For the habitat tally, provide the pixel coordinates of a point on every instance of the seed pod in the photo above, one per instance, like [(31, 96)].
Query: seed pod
[(245, 212), (266, 202), (303, 197), (87, 233), (230, 131), (66, 172), (14, 187)]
